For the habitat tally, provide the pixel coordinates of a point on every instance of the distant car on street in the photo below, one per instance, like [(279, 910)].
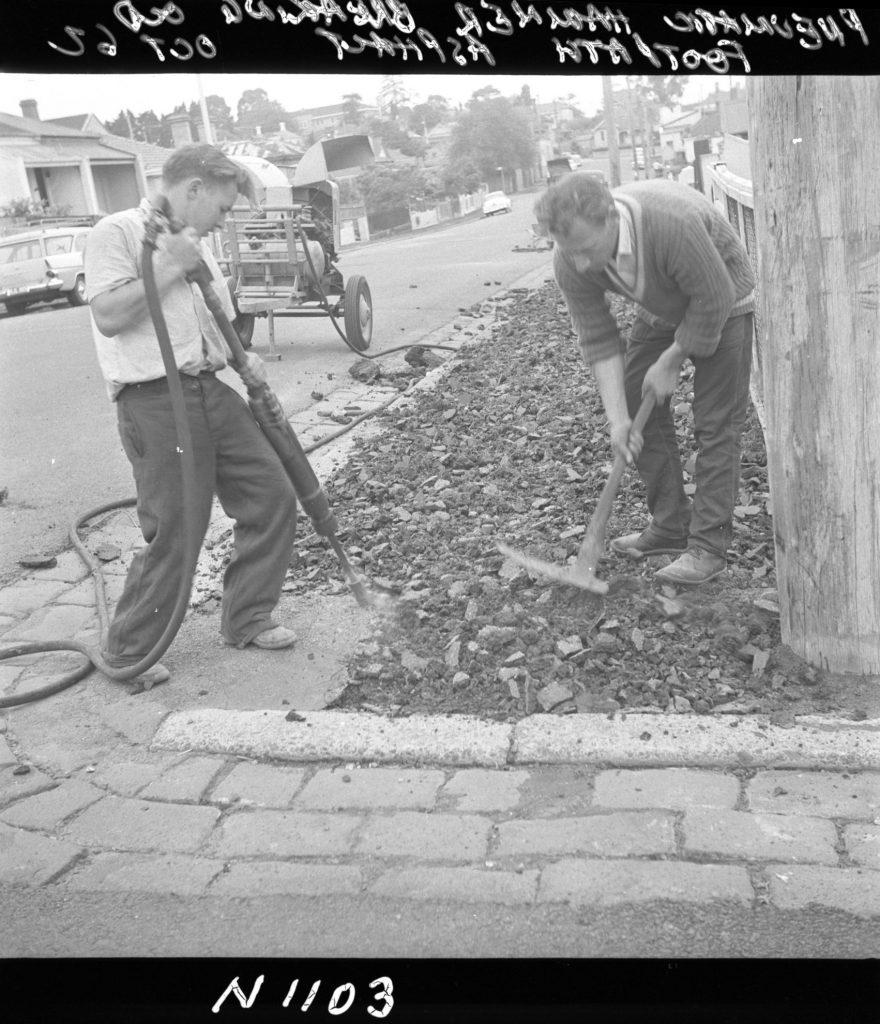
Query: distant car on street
[(496, 202), (44, 263)]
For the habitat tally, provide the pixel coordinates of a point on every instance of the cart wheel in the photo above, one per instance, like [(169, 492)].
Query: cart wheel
[(244, 326), (243, 322), (358, 305)]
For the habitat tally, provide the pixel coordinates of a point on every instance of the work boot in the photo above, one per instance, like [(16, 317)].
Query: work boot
[(640, 545), (154, 675), (694, 567)]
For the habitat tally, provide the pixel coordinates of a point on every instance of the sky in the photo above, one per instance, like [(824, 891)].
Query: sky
[(105, 95)]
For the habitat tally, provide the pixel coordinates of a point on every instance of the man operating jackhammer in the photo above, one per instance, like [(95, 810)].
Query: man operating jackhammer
[(664, 246), (232, 456)]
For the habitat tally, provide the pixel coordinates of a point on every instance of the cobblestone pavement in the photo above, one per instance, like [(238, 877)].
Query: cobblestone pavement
[(199, 824)]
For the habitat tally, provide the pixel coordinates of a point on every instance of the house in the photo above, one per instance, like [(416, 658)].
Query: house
[(151, 158), (673, 133), (63, 168), (283, 148), (630, 119), (80, 122), (437, 141), (327, 120)]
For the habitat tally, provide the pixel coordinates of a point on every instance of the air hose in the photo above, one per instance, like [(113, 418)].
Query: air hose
[(191, 548), (94, 658)]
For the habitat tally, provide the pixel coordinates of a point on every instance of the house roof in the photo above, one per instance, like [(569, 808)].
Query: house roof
[(708, 124), (682, 120), (152, 157), (69, 151), (77, 121), (12, 124)]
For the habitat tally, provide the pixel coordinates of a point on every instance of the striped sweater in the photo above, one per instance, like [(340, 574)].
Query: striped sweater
[(691, 273)]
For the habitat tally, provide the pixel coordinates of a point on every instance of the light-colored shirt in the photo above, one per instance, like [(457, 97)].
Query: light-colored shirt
[(623, 266), (113, 257)]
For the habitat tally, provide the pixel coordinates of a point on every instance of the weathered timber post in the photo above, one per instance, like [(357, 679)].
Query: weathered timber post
[(815, 153)]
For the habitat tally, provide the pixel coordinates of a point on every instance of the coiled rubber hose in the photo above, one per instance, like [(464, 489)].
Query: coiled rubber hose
[(95, 658)]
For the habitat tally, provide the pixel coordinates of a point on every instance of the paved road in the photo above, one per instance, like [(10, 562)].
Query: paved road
[(59, 449)]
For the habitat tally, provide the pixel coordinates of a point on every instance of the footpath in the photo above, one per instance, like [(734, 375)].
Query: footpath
[(234, 779)]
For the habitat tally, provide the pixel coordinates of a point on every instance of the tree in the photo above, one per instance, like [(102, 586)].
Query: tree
[(814, 168), (150, 128), (389, 186), (351, 107), (425, 116), (650, 92), (460, 178), (256, 110), (611, 131), (393, 95), (491, 133), (396, 137), (122, 125), (219, 113)]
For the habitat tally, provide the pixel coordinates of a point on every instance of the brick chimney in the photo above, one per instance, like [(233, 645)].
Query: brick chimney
[(29, 109), (181, 129)]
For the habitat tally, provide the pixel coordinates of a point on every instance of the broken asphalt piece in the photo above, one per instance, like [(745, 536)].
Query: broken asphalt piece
[(419, 356), (107, 552), (365, 371), (38, 562), (671, 607)]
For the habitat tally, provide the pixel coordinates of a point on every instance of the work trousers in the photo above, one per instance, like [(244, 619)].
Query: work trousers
[(234, 460), (721, 396)]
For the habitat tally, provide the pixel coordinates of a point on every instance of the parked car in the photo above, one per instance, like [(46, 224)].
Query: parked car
[(44, 263), (496, 202)]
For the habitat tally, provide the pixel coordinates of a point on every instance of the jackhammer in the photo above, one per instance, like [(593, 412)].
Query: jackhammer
[(274, 424)]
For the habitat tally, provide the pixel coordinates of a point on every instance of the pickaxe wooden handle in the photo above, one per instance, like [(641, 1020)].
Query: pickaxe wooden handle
[(584, 570)]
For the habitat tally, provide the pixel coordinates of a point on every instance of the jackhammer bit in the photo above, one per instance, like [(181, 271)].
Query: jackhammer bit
[(274, 424)]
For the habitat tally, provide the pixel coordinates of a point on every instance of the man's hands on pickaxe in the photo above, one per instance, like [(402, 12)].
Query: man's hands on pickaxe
[(661, 379), (626, 441)]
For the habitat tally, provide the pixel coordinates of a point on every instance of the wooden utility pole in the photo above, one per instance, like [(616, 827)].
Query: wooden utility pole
[(815, 156), (611, 131)]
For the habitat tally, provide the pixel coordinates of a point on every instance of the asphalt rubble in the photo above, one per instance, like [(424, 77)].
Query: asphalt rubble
[(248, 774)]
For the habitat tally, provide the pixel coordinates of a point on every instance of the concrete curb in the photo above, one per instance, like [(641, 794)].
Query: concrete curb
[(627, 740)]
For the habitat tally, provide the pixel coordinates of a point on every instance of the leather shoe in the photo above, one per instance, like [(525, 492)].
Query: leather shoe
[(154, 675), (694, 567), (640, 545), (275, 639)]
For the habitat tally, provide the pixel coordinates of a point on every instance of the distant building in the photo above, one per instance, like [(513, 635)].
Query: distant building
[(80, 172), (80, 122), (319, 121)]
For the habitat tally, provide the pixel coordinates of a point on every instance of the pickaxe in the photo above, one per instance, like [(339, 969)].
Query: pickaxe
[(583, 573)]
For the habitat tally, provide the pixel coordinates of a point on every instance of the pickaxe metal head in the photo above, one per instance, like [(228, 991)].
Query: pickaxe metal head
[(578, 575)]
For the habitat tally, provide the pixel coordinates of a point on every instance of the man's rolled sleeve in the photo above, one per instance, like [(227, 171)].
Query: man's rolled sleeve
[(108, 261), (590, 312)]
